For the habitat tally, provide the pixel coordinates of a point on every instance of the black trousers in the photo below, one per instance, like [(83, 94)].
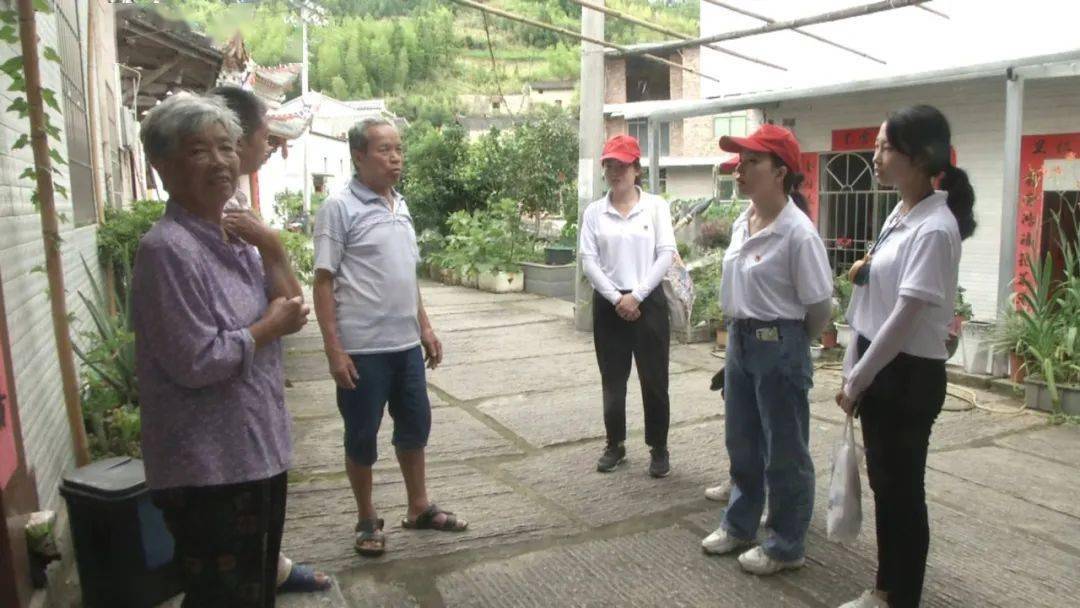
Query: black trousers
[(227, 540), (897, 412), (646, 341)]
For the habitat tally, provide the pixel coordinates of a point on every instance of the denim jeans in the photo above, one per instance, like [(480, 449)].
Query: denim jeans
[(767, 379)]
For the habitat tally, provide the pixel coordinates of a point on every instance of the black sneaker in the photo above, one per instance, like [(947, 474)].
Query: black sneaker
[(659, 466), (613, 456)]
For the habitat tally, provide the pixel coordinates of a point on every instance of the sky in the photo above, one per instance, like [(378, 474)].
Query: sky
[(909, 40)]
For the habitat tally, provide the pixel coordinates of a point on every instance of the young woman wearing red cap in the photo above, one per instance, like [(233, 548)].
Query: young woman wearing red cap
[(775, 293), (894, 373), (626, 246)]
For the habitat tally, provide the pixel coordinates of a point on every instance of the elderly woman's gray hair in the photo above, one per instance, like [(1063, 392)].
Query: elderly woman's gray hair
[(183, 114), (358, 134)]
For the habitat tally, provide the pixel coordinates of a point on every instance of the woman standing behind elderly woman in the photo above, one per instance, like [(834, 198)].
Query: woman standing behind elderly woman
[(208, 313)]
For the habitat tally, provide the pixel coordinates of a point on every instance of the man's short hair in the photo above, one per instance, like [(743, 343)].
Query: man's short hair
[(249, 109), (358, 134)]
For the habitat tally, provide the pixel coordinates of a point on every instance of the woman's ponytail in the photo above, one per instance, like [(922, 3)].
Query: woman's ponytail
[(792, 183), (922, 133), (961, 198)]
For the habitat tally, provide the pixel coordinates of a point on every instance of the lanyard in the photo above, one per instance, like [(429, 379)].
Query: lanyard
[(885, 234)]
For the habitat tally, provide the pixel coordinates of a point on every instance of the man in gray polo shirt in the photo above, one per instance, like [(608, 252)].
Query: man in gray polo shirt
[(373, 325)]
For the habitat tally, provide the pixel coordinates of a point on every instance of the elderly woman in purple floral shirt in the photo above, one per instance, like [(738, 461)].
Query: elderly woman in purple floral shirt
[(211, 298)]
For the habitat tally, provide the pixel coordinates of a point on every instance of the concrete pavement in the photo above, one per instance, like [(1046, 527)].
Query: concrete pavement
[(517, 428)]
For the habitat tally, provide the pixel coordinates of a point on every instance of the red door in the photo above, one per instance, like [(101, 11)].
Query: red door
[(8, 455)]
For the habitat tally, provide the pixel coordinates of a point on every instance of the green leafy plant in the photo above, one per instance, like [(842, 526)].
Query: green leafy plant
[(301, 253), (13, 68), (486, 240), (962, 308), (109, 391), (289, 206), (842, 295), (118, 236), (707, 278), (1047, 334)]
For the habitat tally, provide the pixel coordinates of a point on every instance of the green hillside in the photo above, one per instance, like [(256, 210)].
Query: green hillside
[(423, 53)]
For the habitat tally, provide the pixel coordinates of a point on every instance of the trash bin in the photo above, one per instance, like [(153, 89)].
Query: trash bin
[(123, 550)]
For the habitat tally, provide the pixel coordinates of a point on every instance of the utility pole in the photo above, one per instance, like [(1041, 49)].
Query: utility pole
[(590, 143), (303, 95)]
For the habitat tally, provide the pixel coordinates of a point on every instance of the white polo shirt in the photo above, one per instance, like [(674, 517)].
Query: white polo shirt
[(626, 247), (371, 251), (920, 258), (776, 273)]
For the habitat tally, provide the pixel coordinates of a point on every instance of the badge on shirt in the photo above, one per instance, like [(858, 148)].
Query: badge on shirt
[(768, 334)]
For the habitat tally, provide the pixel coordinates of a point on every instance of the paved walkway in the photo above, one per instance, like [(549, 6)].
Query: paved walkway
[(516, 432)]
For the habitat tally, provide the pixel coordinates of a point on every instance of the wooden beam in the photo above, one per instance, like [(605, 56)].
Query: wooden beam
[(153, 75)]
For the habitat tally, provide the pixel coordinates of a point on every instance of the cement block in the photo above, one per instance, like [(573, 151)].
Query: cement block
[(565, 416), (371, 593), (502, 317), (1058, 443), (322, 515), (655, 568), (493, 344), (568, 476), (318, 444), (509, 377), (1030, 478)]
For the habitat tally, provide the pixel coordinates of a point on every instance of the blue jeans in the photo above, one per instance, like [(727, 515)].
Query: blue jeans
[(767, 421)]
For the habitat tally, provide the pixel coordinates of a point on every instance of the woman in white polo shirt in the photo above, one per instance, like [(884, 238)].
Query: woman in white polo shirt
[(901, 308), (626, 246), (775, 293)]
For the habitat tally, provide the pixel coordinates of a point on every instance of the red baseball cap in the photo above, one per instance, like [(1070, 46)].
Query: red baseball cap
[(622, 148), (769, 138)]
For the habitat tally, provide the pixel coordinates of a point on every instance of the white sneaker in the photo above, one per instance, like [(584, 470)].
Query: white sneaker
[(868, 599), (720, 493), (720, 542), (756, 561)]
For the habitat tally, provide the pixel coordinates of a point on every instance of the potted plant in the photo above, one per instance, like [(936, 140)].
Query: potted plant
[(1008, 337), (721, 332), (705, 314), (1048, 309), (961, 314), (842, 293), (829, 334)]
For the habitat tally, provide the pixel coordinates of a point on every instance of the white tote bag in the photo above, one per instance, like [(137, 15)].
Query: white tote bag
[(845, 492)]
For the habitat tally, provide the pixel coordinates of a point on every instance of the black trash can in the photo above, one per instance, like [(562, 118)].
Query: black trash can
[(123, 550)]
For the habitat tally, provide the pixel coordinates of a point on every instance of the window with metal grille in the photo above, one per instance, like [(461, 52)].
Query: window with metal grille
[(853, 207), (639, 129), (81, 188)]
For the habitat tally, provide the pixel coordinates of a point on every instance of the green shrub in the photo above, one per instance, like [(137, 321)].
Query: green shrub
[(109, 390), (302, 254), (118, 236), (486, 240), (707, 292)]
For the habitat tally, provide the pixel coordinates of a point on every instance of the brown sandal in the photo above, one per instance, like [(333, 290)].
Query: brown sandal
[(369, 531), (427, 521)]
